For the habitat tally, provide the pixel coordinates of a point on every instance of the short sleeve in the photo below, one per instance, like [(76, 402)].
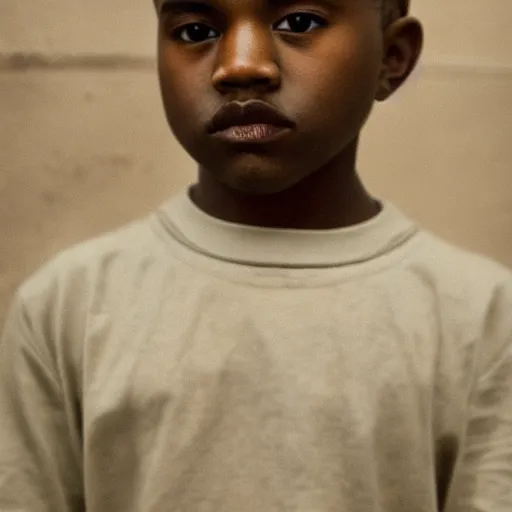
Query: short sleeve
[(39, 470), (484, 482)]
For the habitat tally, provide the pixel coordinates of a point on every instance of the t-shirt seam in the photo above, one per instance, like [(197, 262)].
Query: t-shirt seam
[(165, 235), (26, 333)]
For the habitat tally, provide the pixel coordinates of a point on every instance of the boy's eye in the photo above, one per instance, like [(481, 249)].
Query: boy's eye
[(196, 33), (300, 22)]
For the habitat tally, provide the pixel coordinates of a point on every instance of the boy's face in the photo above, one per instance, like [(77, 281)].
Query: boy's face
[(318, 62)]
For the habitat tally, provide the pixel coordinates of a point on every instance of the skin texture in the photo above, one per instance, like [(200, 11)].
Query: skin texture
[(323, 70)]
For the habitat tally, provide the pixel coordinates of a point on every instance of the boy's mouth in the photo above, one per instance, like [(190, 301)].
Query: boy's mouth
[(251, 133), (252, 121)]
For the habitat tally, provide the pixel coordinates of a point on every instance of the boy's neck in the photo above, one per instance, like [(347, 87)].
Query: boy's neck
[(333, 197)]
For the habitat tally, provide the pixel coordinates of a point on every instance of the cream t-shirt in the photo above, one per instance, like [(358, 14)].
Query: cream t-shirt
[(186, 364)]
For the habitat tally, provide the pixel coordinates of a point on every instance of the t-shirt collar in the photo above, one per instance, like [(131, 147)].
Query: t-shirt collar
[(261, 246)]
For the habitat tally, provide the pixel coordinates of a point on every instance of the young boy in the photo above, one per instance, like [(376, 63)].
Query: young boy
[(274, 338)]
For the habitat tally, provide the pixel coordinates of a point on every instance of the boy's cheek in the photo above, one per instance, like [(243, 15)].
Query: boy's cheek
[(188, 110), (342, 87)]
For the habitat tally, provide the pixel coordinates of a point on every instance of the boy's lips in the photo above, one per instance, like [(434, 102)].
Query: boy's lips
[(255, 113)]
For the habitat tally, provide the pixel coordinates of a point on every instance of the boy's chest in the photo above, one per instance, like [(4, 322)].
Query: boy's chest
[(254, 383), (293, 352), (317, 343)]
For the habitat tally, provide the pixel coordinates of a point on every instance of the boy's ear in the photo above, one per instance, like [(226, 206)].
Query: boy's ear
[(403, 42)]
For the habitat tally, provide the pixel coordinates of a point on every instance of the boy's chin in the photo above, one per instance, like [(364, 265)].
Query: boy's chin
[(258, 181)]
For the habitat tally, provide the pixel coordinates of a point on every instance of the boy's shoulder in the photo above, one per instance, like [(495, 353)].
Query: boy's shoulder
[(54, 307), (470, 295), (471, 289), (456, 266), (85, 265)]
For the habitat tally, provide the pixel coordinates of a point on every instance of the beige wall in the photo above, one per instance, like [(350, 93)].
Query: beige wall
[(85, 147)]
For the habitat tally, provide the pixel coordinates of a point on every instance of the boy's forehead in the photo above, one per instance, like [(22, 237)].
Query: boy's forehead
[(402, 4)]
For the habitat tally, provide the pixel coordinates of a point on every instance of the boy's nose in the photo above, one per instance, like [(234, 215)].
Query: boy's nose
[(246, 59)]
